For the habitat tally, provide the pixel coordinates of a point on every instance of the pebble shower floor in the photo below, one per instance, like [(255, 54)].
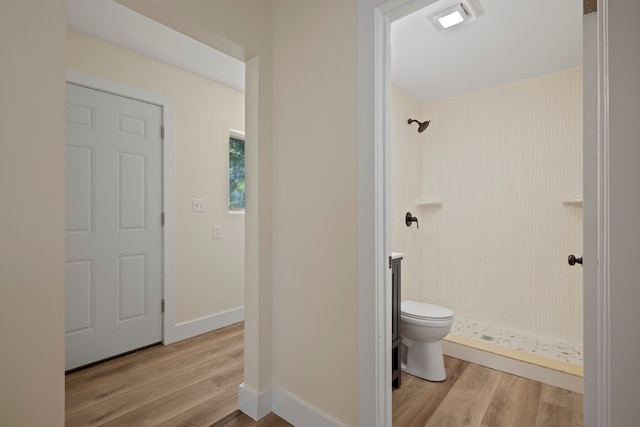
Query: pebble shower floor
[(517, 340)]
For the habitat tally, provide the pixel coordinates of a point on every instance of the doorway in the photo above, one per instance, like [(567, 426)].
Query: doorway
[(495, 180), (596, 308)]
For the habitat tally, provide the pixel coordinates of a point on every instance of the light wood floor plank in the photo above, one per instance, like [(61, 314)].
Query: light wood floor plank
[(142, 368), (161, 410), (271, 420), (206, 413), (150, 391), (131, 387), (416, 400), (515, 403), (555, 416), (560, 407), (195, 383), (467, 402)]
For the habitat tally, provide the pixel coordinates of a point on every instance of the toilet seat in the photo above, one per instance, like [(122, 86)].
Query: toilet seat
[(424, 311)]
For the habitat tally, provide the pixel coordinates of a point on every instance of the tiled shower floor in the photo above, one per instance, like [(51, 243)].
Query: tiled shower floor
[(516, 340)]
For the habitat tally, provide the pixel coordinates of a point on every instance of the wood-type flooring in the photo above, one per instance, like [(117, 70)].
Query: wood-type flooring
[(473, 395), (195, 383)]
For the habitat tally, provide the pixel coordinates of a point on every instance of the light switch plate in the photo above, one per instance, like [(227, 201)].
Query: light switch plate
[(217, 232), (198, 205)]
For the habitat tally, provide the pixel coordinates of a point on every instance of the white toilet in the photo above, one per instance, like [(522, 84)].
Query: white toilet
[(423, 326)]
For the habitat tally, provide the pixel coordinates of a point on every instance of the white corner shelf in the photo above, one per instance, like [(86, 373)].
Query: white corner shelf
[(572, 201), (428, 202)]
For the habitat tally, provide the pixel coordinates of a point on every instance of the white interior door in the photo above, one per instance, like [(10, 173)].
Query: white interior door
[(113, 285)]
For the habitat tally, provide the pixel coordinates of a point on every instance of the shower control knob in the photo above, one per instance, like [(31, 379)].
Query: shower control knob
[(573, 260)]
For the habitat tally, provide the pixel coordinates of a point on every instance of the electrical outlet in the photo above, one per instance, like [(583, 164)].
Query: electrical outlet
[(217, 232), (198, 205)]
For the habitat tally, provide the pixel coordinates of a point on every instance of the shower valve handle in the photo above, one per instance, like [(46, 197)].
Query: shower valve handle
[(573, 260), (408, 219)]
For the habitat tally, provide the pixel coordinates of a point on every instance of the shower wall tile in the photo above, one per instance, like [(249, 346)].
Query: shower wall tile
[(406, 176), (502, 160)]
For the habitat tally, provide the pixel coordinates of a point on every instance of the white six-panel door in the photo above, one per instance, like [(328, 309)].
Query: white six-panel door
[(113, 263)]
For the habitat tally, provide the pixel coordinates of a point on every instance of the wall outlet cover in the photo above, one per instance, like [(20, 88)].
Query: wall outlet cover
[(198, 205)]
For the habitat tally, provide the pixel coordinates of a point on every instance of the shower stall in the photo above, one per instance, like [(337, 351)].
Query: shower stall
[(496, 183)]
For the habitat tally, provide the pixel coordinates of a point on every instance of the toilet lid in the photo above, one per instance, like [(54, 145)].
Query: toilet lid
[(423, 310)]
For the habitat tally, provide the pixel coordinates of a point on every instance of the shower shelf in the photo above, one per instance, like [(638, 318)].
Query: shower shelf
[(427, 203), (572, 201)]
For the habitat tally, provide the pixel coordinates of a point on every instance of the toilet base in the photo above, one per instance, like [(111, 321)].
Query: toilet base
[(425, 360)]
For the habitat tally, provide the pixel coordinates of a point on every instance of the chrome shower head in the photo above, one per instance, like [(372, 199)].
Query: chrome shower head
[(421, 125)]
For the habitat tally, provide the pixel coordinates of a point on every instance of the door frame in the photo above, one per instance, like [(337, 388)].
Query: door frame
[(168, 252), (595, 208)]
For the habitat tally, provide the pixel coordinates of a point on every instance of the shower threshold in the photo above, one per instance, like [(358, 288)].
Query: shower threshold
[(510, 350)]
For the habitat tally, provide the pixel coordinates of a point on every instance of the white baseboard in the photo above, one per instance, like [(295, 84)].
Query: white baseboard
[(289, 408), (254, 404), (297, 412), (200, 326), (515, 367)]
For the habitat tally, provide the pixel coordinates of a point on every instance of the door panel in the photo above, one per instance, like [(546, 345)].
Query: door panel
[(80, 291), (80, 189), (132, 287), (114, 233), (132, 188)]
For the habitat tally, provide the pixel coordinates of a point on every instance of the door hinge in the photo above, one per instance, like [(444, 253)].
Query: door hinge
[(390, 258), (161, 132), (162, 305), (590, 6), (162, 219)]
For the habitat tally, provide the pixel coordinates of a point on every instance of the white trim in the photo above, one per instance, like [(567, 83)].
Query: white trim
[(383, 219), (603, 310), (168, 180), (597, 347), (254, 404), (192, 328), (288, 407), (397, 9), (297, 412), (381, 294), (514, 367), (237, 134), (374, 385)]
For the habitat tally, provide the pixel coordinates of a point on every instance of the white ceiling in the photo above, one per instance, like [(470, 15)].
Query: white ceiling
[(510, 40)]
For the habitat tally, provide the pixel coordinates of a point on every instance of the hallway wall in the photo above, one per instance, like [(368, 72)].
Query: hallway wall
[(210, 273), (32, 42)]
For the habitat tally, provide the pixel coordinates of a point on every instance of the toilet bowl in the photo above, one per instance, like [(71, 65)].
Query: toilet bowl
[(423, 326)]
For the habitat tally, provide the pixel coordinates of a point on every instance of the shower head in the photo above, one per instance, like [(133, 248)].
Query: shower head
[(421, 125)]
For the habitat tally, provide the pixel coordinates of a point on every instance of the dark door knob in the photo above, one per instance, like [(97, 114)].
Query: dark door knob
[(573, 260)]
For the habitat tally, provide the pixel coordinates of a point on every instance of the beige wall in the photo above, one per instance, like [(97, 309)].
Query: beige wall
[(210, 273), (32, 215), (502, 160), (309, 289), (33, 43), (624, 210), (315, 178), (242, 29)]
